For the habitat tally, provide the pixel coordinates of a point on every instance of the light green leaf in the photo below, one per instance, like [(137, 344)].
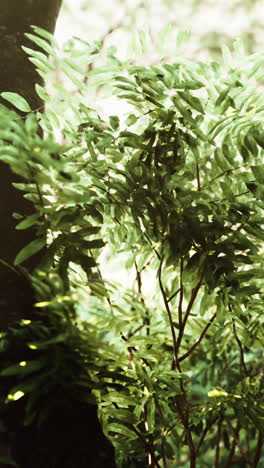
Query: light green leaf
[(17, 101), (45, 34), (43, 44)]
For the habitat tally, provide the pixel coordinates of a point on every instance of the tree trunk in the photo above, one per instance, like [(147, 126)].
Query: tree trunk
[(18, 75), (77, 441)]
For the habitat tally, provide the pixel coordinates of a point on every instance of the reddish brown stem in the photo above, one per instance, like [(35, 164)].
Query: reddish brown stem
[(231, 455), (181, 295), (218, 440), (242, 360), (175, 364), (236, 437), (203, 435), (192, 348), (194, 293)]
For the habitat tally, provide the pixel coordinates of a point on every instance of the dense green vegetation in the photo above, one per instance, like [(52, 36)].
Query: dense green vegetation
[(174, 186)]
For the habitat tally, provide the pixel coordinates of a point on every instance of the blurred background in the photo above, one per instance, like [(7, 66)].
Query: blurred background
[(210, 23)]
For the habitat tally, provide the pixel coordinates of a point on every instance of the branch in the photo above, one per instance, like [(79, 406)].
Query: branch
[(149, 448), (146, 320), (206, 429), (231, 455), (185, 421), (236, 437), (194, 293), (132, 349), (192, 348), (218, 440), (174, 295), (222, 174), (242, 360), (181, 295), (175, 363)]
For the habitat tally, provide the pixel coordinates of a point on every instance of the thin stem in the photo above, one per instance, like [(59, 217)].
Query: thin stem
[(132, 349), (181, 294), (222, 174), (231, 455), (149, 445), (194, 293), (149, 448), (197, 342), (206, 429), (139, 283), (218, 439), (175, 364), (174, 295), (148, 239), (184, 415), (185, 421), (236, 437), (133, 332), (242, 359)]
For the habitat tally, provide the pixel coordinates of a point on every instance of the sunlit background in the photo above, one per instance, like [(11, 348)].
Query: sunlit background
[(211, 23)]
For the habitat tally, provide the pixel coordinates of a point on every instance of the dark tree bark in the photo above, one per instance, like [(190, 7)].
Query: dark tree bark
[(18, 75), (73, 439)]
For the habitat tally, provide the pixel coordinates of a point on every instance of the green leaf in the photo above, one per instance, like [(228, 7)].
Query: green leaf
[(151, 414), (23, 368), (220, 160), (193, 101), (28, 222), (43, 44), (93, 244), (122, 415), (17, 101), (120, 399), (45, 34), (131, 120), (222, 96), (42, 93), (122, 430), (114, 121), (258, 172), (30, 249)]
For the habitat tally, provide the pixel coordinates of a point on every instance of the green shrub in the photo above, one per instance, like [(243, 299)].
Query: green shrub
[(176, 187)]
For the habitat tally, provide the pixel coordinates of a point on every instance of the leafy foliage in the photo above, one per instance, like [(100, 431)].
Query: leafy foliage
[(177, 185)]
